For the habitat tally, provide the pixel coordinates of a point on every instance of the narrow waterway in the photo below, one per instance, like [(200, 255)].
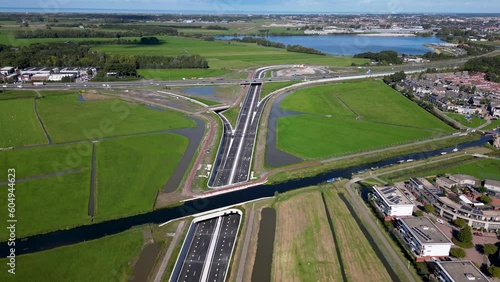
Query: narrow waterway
[(90, 232), (265, 246)]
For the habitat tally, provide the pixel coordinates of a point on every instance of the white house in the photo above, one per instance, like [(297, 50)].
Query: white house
[(463, 179), (392, 202), (423, 238), (492, 185)]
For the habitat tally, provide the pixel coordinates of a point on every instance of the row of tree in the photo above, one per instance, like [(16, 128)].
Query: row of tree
[(385, 57), (91, 33), (73, 55), (489, 65)]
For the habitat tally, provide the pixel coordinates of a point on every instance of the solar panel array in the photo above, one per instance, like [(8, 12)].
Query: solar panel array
[(421, 233), (388, 190)]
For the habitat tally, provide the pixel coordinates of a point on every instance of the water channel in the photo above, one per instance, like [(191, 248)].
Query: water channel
[(90, 232)]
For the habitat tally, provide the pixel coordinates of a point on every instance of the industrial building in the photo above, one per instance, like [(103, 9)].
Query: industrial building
[(423, 238), (458, 271), (392, 202)]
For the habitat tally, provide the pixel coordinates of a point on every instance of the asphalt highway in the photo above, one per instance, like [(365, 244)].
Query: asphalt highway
[(210, 250), (235, 155)]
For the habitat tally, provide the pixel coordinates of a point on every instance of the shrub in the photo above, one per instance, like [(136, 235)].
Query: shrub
[(494, 271), (419, 213), (457, 252), (490, 249), (460, 222), (485, 199), (429, 208)]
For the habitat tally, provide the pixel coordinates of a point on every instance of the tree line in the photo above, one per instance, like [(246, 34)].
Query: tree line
[(74, 55), (384, 57), (90, 33), (290, 48), (489, 65)]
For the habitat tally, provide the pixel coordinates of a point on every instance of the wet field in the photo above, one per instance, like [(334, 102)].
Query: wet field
[(265, 246), (274, 156)]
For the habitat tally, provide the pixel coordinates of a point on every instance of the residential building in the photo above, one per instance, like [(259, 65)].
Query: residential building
[(445, 182), (463, 179), (423, 238), (392, 202), (458, 271), (476, 217), (492, 185)]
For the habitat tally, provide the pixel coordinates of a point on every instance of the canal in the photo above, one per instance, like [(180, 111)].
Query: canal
[(90, 232)]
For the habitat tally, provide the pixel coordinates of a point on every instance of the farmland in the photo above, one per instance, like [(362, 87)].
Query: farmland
[(46, 160), (19, 124), (130, 173), (309, 136), (304, 249), (357, 253), (67, 119), (352, 117), (17, 94), (176, 74), (50, 203), (224, 55), (108, 259)]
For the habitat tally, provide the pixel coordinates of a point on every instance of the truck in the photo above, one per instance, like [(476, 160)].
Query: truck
[(38, 83)]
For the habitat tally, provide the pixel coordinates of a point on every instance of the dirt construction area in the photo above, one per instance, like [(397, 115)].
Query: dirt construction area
[(299, 71)]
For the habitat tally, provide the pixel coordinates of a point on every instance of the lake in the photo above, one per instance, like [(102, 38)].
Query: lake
[(348, 45), (198, 90)]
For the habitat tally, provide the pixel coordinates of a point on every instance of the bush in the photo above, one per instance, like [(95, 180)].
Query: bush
[(457, 252), (494, 271), (490, 249), (429, 208), (465, 235), (419, 213), (485, 199), (460, 222)]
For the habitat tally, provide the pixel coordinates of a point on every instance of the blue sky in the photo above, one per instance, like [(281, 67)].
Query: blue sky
[(274, 6)]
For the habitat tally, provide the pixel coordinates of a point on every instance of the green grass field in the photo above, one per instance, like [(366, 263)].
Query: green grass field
[(309, 136), (16, 94), (474, 121), (19, 125), (269, 87), (232, 115), (45, 160), (317, 100), (176, 74), (482, 169), (107, 259), (224, 55), (131, 170), (494, 124), (66, 119), (352, 117), (371, 100), (49, 204)]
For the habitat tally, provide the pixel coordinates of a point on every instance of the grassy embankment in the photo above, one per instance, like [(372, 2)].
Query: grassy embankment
[(269, 87), (352, 117)]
